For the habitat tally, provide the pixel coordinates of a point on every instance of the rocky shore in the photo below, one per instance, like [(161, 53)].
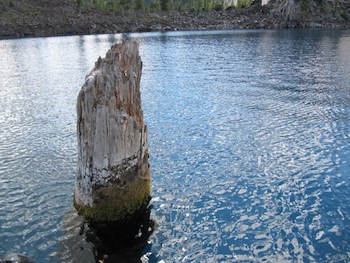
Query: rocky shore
[(56, 18)]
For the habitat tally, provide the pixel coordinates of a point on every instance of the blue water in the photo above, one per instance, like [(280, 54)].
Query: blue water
[(249, 137)]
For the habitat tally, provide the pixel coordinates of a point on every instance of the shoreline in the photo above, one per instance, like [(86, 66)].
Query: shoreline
[(35, 19)]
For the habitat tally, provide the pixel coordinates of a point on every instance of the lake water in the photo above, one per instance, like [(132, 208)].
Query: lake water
[(249, 137)]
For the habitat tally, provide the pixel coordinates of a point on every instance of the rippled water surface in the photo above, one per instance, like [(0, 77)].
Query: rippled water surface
[(249, 137)]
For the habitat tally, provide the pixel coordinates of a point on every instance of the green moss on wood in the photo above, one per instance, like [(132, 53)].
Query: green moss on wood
[(116, 201)]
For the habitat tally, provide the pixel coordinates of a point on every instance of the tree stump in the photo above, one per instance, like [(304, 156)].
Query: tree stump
[(113, 176)]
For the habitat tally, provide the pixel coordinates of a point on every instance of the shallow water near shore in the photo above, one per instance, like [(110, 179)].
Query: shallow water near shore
[(249, 134)]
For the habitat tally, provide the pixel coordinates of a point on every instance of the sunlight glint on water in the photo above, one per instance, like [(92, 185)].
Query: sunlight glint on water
[(249, 142)]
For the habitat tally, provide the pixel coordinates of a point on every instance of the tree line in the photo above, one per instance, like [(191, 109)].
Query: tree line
[(288, 8), (164, 5)]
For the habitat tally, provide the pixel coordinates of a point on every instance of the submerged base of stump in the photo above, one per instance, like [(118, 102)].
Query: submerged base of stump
[(110, 241)]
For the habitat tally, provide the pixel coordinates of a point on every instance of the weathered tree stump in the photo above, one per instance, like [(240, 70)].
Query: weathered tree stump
[(113, 177)]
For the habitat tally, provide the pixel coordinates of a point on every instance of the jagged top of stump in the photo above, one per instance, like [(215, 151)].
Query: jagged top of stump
[(121, 65)]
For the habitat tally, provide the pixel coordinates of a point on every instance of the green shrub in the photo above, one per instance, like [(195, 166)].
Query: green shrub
[(138, 5), (345, 15), (243, 3), (4, 5), (154, 6), (305, 5), (164, 5)]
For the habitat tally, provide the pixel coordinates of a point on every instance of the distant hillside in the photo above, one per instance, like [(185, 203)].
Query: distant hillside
[(22, 18)]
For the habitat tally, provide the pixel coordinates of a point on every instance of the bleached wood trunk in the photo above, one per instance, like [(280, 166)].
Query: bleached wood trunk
[(113, 179)]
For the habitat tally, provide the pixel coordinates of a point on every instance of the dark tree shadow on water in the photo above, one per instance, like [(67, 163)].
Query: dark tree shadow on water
[(122, 241)]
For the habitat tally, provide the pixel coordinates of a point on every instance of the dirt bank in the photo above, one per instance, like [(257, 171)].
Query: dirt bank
[(25, 18)]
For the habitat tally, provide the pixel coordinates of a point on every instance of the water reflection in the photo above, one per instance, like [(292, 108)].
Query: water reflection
[(249, 144), (125, 241)]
